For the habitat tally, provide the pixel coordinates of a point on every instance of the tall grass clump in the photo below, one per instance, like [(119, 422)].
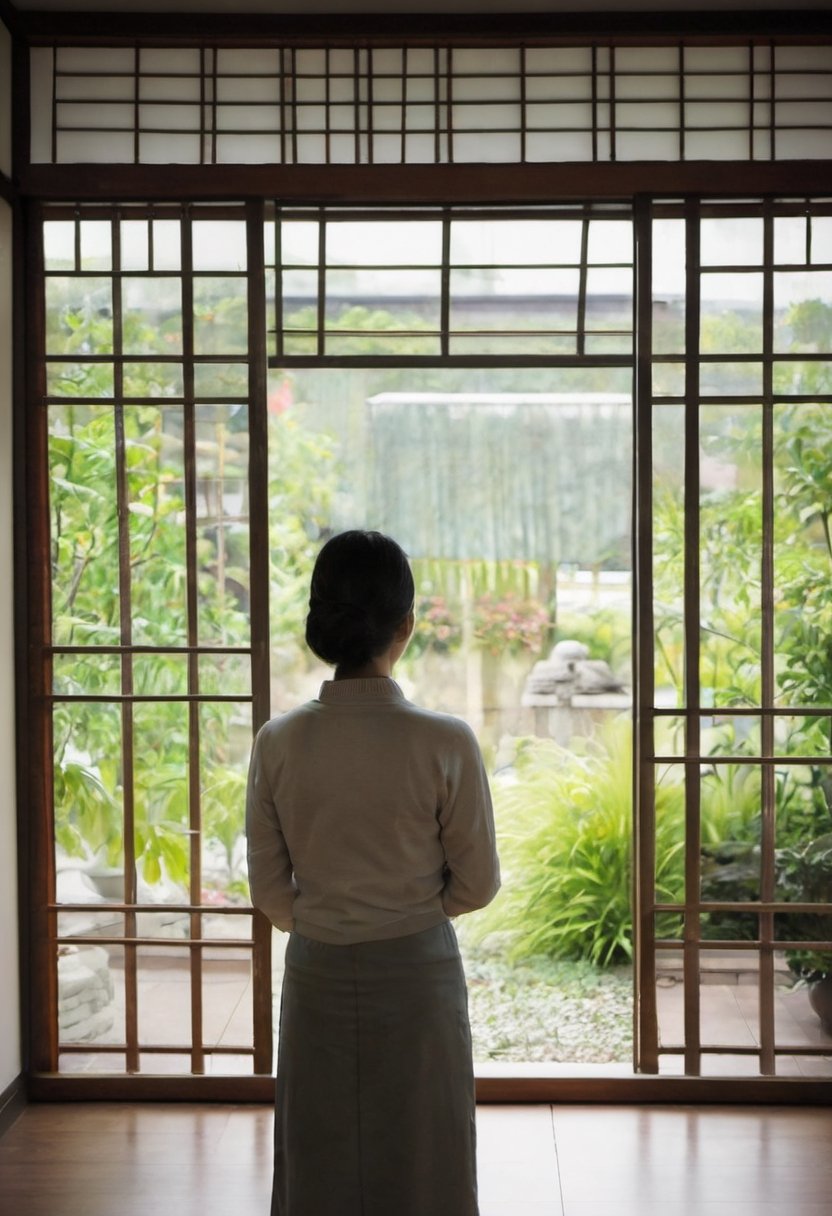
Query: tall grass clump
[(565, 828)]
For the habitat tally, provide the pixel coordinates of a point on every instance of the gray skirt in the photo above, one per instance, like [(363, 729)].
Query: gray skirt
[(374, 1112)]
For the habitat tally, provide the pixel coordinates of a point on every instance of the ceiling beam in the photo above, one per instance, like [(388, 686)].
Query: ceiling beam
[(394, 29), (425, 184)]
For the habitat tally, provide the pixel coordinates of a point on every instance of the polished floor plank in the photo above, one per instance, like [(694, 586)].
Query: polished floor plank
[(193, 1160)]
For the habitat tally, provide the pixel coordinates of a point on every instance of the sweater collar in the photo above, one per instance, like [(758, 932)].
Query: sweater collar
[(376, 690)]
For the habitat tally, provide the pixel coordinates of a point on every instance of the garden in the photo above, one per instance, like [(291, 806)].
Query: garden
[(549, 963)]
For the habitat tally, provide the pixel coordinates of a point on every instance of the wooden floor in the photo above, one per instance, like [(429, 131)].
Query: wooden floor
[(142, 1160)]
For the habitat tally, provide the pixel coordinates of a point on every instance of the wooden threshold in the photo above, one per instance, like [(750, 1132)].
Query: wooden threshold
[(788, 1091)]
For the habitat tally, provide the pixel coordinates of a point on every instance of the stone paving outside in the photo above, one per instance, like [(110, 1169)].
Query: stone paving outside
[(728, 1002)]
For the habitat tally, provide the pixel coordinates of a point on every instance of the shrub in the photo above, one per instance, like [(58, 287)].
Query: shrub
[(565, 834)]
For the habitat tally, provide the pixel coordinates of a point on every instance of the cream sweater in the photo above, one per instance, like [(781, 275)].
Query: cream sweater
[(367, 817)]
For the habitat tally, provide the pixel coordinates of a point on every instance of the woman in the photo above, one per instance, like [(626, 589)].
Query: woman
[(370, 824)]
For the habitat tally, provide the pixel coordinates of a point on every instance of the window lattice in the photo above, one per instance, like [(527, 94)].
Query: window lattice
[(436, 105)]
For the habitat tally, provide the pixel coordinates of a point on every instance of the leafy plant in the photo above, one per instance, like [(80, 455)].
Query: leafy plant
[(565, 839), (804, 875)]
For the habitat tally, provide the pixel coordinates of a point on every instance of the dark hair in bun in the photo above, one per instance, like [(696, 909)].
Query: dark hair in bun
[(362, 589)]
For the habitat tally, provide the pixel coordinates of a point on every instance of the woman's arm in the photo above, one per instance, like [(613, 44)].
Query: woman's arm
[(466, 821), (269, 865)]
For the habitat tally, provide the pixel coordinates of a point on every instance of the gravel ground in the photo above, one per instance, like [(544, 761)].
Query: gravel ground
[(539, 1010)]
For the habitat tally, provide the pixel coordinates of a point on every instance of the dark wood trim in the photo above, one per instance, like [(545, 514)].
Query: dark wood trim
[(417, 184), (36, 740), (623, 1090), (262, 1027), (12, 1103), (396, 29), (691, 633), (20, 527), (645, 1015), (10, 17), (656, 1090)]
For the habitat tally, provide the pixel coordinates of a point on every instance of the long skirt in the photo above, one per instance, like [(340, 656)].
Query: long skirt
[(375, 1108)]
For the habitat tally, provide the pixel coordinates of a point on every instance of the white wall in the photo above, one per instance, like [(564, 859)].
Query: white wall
[(9, 983)]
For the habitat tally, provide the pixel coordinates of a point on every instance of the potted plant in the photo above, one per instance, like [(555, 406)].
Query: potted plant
[(804, 874)]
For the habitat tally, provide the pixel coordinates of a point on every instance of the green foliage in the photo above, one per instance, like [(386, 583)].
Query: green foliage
[(565, 838), (88, 595), (604, 631), (804, 875)]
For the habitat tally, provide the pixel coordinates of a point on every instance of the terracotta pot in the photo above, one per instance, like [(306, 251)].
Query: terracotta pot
[(820, 998)]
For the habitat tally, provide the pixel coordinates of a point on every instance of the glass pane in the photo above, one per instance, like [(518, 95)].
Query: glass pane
[(670, 1001), (225, 746), (802, 559), (161, 766), (802, 311), (730, 834), (803, 379), (222, 521), (96, 245), (59, 245), (516, 242), (228, 1016), (730, 554), (89, 817), (225, 673), (821, 238), (670, 840), (91, 924), (78, 379), (155, 492), (731, 315), (219, 245), (152, 315), (91, 995), (225, 380), (803, 797), (803, 736), (730, 379), (392, 243), (609, 302), (668, 288), (86, 609), (397, 299), (668, 552), (167, 247), (732, 735), (729, 1015), (220, 316), (610, 241), (790, 233), (797, 1024), (160, 674), (299, 242), (731, 242), (96, 674), (153, 380), (164, 1006), (533, 281), (134, 245), (79, 316)]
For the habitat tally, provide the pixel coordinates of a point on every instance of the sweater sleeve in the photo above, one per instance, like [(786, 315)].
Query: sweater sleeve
[(466, 822), (269, 866)]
